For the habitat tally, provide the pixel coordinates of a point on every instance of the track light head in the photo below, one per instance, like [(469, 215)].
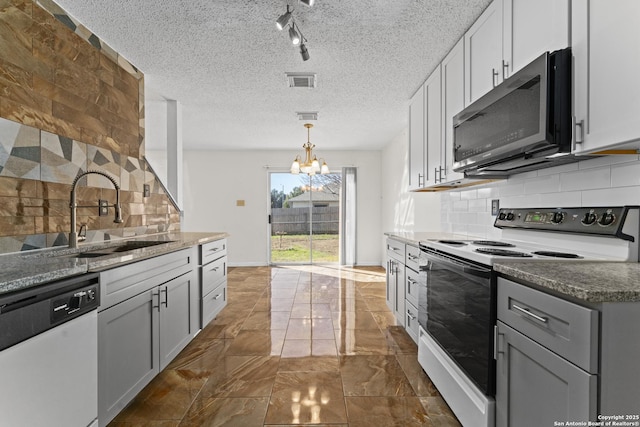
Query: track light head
[(304, 52), (283, 20), (307, 2), (293, 35)]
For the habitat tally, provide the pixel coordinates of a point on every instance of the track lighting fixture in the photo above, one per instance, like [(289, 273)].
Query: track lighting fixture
[(304, 52), (295, 34), (283, 20)]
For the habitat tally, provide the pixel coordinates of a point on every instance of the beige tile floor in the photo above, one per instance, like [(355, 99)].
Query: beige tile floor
[(306, 345)]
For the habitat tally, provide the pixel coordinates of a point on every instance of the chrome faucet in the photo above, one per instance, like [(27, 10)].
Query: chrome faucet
[(73, 235)]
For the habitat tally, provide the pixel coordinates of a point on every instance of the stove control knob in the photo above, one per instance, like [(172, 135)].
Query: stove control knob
[(557, 217), (607, 219), (510, 216), (589, 218), (502, 216)]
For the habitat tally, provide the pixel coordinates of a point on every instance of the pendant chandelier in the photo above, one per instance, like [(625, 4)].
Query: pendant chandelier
[(311, 163)]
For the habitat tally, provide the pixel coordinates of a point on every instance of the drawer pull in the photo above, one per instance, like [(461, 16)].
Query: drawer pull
[(214, 269), (394, 249), (217, 296), (528, 313), (214, 249), (412, 257)]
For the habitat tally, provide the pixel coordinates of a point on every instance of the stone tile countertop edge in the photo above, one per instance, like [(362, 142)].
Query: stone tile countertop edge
[(23, 270), (594, 282)]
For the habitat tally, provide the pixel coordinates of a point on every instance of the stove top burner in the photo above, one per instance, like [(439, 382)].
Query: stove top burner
[(492, 243), (557, 254), (502, 252), (452, 242)]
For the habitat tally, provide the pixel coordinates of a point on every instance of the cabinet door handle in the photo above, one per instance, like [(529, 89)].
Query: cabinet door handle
[(494, 75), (528, 313), (420, 176), (496, 342), (153, 295), (410, 315), (166, 296), (505, 69), (435, 175), (440, 172), (579, 125)]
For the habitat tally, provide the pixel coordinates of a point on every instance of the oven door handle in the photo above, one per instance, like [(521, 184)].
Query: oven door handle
[(458, 264)]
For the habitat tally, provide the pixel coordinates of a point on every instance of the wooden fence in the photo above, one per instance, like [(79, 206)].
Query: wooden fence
[(296, 220)]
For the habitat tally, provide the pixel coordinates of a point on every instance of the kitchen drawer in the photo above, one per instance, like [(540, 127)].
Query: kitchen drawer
[(121, 283), (411, 321), (395, 250), (412, 285), (563, 327), (213, 274), (212, 251), (413, 257), (213, 303)]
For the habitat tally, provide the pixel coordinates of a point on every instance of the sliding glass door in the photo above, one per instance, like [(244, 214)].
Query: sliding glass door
[(304, 218)]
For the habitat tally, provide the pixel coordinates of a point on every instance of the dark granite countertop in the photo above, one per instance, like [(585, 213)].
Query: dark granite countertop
[(596, 282), (23, 270)]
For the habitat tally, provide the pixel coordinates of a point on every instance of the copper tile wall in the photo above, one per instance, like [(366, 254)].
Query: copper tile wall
[(68, 103)]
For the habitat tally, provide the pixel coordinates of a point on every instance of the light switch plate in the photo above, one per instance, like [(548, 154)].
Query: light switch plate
[(495, 207)]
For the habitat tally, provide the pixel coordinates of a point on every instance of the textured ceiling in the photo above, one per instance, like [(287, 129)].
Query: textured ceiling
[(224, 61)]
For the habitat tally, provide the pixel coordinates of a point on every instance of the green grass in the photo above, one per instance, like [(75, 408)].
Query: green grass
[(295, 248)]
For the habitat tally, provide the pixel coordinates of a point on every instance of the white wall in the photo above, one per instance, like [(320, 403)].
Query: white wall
[(215, 180), (403, 210), (607, 180)]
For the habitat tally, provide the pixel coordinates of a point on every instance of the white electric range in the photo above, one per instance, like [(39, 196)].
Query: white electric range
[(457, 307)]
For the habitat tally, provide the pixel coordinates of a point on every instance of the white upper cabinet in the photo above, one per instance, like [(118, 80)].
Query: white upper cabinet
[(532, 28), (509, 35), (417, 146), (606, 50), (452, 70), (483, 53), (433, 126), (425, 136)]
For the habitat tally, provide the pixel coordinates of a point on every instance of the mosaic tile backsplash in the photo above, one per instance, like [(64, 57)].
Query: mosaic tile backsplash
[(36, 172), (69, 103)]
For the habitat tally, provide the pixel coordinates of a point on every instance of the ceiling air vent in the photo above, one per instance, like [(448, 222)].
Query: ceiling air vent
[(307, 115), (301, 79)]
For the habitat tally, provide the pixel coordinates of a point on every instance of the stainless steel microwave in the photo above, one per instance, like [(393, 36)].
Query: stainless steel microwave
[(522, 124)]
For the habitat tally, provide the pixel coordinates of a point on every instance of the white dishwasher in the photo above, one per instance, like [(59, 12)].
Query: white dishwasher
[(49, 354)]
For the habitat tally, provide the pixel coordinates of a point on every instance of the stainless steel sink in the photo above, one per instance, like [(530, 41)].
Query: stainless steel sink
[(125, 247)]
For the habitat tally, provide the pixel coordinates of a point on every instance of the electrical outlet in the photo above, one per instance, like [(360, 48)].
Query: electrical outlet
[(146, 190), (495, 207), (103, 207)]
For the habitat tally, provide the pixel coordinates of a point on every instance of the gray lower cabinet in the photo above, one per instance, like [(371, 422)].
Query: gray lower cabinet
[(395, 297), (139, 335), (536, 387), (546, 358), (213, 279)]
